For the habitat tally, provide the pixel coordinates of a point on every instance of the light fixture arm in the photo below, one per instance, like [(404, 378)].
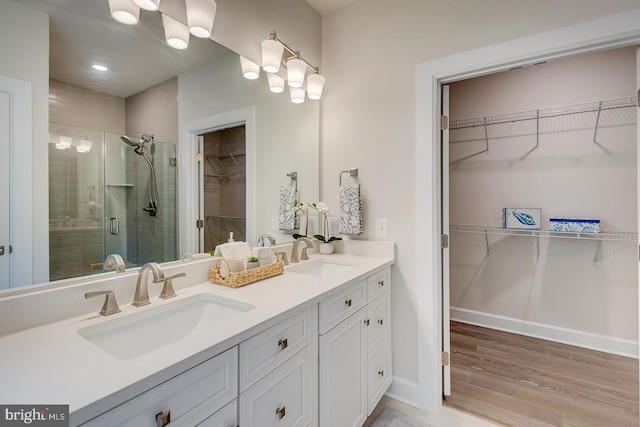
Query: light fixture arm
[(294, 53)]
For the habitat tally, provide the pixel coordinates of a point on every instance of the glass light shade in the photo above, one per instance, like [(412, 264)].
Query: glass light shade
[(296, 69), (297, 95), (84, 147), (271, 55), (315, 84), (175, 33), (148, 4), (124, 11), (250, 70), (276, 83), (63, 143), (200, 16)]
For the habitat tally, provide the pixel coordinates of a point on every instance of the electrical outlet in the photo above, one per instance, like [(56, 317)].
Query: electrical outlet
[(332, 222), (275, 222), (382, 227), (313, 225)]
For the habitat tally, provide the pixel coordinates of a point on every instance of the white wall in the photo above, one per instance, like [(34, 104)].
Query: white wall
[(24, 55), (567, 176), (370, 52)]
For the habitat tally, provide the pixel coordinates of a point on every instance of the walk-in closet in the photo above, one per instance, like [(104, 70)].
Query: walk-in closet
[(224, 186), (555, 141)]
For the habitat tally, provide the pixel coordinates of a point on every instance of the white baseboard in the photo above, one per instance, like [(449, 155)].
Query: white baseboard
[(548, 332), (404, 391)]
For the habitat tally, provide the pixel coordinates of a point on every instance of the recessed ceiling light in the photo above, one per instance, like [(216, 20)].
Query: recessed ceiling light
[(99, 67)]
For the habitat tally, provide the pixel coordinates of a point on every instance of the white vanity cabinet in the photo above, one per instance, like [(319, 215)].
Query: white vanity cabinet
[(278, 374), (186, 400), (355, 351)]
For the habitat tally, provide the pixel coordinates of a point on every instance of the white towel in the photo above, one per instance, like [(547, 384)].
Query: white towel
[(350, 210), (234, 250), (287, 217)]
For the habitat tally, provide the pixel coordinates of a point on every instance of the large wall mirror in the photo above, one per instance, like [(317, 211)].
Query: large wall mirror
[(153, 96)]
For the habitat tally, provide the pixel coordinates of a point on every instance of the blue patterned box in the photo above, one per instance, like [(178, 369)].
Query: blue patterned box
[(522, 218), (575, 225)]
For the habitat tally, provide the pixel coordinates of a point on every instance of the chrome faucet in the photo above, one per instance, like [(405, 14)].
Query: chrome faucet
[(141, 297), (114, 262), (272, 241), (294, 250)]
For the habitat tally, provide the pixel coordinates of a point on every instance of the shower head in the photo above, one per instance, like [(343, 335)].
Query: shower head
[(129, 141)]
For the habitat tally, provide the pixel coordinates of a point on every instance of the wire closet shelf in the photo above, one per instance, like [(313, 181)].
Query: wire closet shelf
[(619, 236), (546, 113)]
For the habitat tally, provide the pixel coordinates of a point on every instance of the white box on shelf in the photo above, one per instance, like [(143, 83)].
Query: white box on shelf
[(522, 218), (575, 225)]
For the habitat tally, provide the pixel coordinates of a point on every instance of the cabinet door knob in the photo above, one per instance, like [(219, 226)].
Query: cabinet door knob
[(381, 373), (381, 282), (366, 322), (283, 344), (163, 418), (380, 321), (348, 303), (280, 412)]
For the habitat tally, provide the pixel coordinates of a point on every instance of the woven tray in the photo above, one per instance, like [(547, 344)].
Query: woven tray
[(241, 278)]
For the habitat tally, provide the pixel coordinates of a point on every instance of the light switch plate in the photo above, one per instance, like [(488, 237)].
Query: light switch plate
[(313, 225), (382, 227), (275, 223)]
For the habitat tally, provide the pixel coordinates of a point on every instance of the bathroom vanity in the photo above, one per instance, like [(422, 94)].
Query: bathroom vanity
[(309, 347)]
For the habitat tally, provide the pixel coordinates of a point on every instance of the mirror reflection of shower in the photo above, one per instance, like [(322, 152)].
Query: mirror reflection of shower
[(138, 148)]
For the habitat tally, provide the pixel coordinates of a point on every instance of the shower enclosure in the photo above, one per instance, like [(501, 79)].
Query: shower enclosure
[(109, 193)]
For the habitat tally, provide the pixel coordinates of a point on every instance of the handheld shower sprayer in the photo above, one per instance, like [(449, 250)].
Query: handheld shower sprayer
[(138, 148)]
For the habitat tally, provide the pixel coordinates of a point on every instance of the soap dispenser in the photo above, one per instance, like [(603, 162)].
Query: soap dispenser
[(230, 237)]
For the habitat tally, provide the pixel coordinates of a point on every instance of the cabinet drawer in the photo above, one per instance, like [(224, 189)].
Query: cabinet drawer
[(203, 389), (379, 376), (282, 398), (335, 309), (225, 417), (378, 283), (379, 320), (260, 354)]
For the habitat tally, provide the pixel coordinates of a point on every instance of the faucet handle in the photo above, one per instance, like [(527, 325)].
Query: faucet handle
[(167, 289), (110, 305), (282, 256)]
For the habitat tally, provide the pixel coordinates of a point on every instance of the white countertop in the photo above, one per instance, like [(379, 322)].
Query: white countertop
[(52, 364)]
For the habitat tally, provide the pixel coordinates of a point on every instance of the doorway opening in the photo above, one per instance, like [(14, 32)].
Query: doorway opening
[(224, 186)]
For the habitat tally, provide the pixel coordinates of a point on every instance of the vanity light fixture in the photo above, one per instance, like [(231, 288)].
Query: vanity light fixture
[(250, 70), (200, 17), (272, 56), (276, 83), (84, 147), (176, 34), (297, 95), (124, 11), (64, 142), (151, 5)]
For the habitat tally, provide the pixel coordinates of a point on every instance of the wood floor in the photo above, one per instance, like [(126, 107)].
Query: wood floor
[(515, 380)]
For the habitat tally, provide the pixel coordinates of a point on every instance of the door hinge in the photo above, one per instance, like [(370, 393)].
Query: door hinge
[(445, 358), (199, 157), (199, 223), (444, 241), (173, 161), (444, 122)]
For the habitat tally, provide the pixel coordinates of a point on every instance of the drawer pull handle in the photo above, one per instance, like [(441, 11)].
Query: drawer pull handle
[(381, 283), (348, 303), (380, 321), (280, 412), (366, 322), (283, 344), (381, 373), (163, 418)]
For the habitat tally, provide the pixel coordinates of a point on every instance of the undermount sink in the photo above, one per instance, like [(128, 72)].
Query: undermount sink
[(320, 268), (135, 335)]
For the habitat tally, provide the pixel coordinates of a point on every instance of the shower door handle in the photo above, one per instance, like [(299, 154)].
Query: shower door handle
[(114, 226)]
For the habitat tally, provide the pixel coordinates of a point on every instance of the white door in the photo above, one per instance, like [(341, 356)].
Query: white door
[(5, 134), (446, 339)]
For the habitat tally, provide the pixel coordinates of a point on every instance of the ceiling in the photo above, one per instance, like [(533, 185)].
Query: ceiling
[(83, 33), (327, 6)]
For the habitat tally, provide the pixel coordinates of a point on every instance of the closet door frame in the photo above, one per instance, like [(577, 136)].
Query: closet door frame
[(610, 32)]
